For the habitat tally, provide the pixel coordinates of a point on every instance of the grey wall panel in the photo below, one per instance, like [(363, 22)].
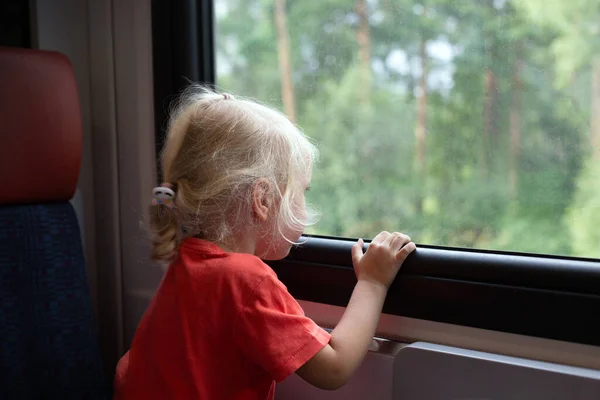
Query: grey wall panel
[(426, 371)]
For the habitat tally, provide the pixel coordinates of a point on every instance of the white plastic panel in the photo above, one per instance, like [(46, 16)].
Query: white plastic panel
[(426, 371)]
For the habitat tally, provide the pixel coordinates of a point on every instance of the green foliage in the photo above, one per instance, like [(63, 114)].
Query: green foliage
[(366, 179), (583, 216), (576, 24)]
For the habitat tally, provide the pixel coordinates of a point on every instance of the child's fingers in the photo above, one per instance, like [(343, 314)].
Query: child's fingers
[(390, 238), (399, 241), (405, 251), (357, 251), (380, 237)]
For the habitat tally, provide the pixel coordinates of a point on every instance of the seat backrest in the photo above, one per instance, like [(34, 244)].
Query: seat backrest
[(48, 340)]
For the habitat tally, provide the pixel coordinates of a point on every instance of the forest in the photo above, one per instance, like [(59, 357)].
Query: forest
[(463, 123)]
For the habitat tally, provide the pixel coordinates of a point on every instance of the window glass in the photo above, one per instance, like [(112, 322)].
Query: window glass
[(472, 123)]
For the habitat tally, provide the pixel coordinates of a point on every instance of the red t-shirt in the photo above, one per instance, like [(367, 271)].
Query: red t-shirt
[(221, 326)]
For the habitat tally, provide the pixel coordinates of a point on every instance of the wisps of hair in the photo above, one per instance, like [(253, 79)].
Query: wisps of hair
[(217, 147)]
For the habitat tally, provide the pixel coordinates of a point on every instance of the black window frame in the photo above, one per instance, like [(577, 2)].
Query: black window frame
[(536, 295), (183, 51)]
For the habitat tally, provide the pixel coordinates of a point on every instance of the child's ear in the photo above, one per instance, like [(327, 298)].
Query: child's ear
[(261, 199)]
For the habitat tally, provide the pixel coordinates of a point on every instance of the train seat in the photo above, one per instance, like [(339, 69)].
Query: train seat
[(48, 339)]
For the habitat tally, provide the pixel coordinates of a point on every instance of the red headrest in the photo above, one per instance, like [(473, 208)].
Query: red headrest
[(40, 127)]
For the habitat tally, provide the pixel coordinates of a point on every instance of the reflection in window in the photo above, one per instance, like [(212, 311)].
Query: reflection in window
[(472, 123)]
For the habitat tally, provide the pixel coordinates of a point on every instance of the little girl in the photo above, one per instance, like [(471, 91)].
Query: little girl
[(221, 325)]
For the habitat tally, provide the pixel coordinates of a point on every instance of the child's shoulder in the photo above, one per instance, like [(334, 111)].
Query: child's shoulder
[(249, 266), (241, 268)]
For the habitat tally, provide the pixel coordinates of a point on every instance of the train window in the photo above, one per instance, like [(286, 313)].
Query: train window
[(465, 124)]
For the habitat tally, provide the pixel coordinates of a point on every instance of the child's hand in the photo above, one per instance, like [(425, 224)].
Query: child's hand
[(383, 258), (335, 363)]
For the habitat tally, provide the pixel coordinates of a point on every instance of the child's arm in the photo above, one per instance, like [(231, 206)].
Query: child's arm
[(333, 365)]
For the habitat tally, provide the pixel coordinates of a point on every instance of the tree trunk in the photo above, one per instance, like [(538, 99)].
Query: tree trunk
[(490, 140), (595, 111), (515, 123), (285, 65), (489, 109), (421, 128), (363, 39)]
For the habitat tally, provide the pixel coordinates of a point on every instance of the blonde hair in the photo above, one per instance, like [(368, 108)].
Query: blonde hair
[(217, 147)]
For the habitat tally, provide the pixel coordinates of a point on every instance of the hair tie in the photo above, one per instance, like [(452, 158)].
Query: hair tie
[(164, 195), (227, 96)]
